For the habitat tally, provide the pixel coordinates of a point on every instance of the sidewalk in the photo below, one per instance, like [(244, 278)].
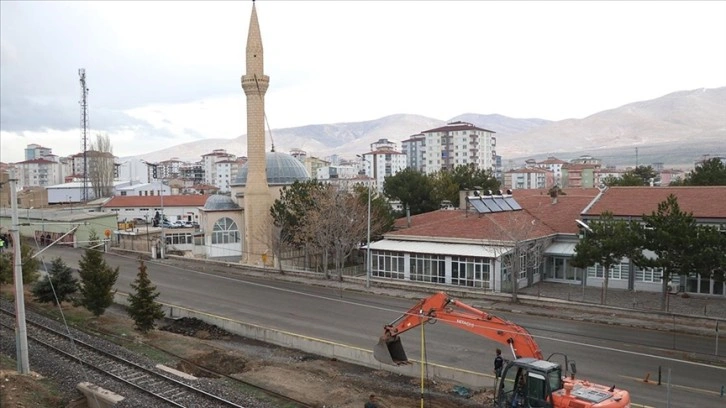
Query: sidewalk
[(691, 304)]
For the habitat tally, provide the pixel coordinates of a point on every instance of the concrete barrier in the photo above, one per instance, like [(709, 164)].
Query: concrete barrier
[(329, 349), (98, 397)]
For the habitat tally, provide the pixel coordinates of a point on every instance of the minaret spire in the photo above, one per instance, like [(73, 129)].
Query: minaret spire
[(257, 200)]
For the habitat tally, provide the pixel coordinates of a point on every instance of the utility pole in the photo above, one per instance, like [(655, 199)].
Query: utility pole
[(21, 334), (84, 131)]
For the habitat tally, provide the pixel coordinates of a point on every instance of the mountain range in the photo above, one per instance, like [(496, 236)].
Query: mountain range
[(676, 129)]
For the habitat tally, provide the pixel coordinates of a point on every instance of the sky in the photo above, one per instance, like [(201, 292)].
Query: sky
[(164, 73)]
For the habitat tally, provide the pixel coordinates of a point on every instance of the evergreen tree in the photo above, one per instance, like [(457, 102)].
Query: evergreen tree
[(709, 173), (672, 235), (142, 307), (30, 264), (97, 279), (413, 188), (58, 284), (606, 243)]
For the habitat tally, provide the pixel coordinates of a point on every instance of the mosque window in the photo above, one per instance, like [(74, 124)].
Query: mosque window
[(225, 231)]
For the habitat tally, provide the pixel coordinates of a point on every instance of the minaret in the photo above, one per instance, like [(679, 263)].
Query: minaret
[(257, 198)]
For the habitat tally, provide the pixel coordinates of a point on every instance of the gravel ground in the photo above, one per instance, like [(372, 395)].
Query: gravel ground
[(67, 376)]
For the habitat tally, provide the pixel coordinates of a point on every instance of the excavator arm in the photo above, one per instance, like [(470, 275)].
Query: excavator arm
[(440, 307)]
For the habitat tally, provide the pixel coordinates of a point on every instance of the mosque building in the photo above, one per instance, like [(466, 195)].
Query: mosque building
[(239, 227)]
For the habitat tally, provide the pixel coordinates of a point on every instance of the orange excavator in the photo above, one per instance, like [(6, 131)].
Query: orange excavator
[(526, 381)]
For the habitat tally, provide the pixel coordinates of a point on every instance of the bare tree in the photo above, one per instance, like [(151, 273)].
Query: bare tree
[(517, 245), (337, 226), (100, 166)]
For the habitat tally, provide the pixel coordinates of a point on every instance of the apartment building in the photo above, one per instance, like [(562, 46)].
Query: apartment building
[(459, 143), (529, 178), (415, 148), (209, 161)]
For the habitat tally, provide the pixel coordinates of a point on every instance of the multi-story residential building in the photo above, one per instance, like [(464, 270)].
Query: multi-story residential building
[(209, 161), (529, 178), (554, 165), (170, 168), (587, 159), (383, 144), (382, 163), (36, 151), (336, 172), (609, 172), (38, 173), (226, 171), (414, 148), (193, 172), (459, 143), (97, 161), (313, 164), (579, 175), (299, 154), (668, 175)]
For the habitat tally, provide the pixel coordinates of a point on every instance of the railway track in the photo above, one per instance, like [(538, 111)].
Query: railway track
[(156, 385)]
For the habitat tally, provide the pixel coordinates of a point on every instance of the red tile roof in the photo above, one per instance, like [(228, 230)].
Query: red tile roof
[(539, 218), (192, 200), (37, 161), (703, 202), (454, 126)]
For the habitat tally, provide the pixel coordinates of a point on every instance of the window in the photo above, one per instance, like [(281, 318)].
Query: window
[(470, 271), (648, 274), (386, 264), (225, 231), (427, 268), (178, 238)]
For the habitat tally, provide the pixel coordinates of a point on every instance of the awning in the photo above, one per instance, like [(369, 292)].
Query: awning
[(437, 248), (561, 248)]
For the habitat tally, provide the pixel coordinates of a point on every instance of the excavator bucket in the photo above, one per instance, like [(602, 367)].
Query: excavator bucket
[(390, 351)]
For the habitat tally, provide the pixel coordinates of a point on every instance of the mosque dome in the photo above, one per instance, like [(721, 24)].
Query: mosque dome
[(219, 202), (282, 169)]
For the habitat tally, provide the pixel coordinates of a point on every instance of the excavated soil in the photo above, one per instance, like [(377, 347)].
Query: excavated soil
[(319, 381)]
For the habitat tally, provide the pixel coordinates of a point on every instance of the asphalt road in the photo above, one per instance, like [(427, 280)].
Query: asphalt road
[(605, 354)]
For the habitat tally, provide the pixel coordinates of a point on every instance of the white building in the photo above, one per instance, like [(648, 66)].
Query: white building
[(459, 143), (73, 192), (382, 163), (554, 165), (209, 162), (38, 173), (143, 190), (528, 178), (174, 208), (225, 171)]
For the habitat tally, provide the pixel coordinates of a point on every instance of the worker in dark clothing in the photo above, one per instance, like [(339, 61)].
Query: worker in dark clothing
[(371, 402), (498, 364)]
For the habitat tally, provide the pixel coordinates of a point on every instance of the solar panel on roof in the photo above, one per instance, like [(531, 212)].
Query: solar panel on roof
[(501, 203), (492, 205), (478, 205), (513, 203)]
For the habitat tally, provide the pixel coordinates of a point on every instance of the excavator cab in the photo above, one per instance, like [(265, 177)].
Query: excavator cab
[(528, 382)]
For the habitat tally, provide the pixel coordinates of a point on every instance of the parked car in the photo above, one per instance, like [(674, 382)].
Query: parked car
[(188, 224), (167, 224), (177, 224)]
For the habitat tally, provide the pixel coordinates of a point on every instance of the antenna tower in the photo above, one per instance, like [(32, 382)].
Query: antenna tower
[(84, 131)]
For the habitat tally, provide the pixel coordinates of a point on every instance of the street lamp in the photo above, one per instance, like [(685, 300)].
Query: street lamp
[(368, 245)]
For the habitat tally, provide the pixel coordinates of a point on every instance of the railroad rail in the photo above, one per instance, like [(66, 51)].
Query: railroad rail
[(164, 389)]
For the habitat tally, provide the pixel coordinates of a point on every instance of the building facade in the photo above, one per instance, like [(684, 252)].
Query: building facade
[(459, 143)]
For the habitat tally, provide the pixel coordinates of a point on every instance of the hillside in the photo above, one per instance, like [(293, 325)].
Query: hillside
[(675, 129)]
